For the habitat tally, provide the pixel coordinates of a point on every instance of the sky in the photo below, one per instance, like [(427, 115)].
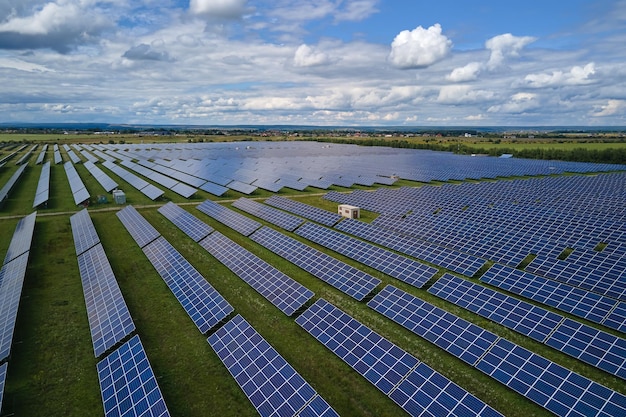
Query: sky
[(314, 62)]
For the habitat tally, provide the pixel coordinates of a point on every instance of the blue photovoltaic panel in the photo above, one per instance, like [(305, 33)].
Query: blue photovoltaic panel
[(109, 318), (138, 227), (459, 337), (242, 187), (271, 384), (230, 218), (523, 317), (318, 407), (582, 303), (42, 194), (128, 384), (553, 387), (204, 305), (600, 349), (185, 221), (277, 217), (84, 232), (22, 237), (213, 188), (316, 214), (414, 386), (6, 189), (183, 189), (345, 278), (11, 281), (397, 266), (105, 181), (3, 377), (279, 289), (79, 192), (617, 318)]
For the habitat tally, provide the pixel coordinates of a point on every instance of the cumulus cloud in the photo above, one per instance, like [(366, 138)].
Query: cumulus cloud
[(419, 48), (306, 56), (460, 94), (611, 108), (576, 76), (21, 65), (518, 103), (144, 52), (468, 72), (218, 9), (504, 46)]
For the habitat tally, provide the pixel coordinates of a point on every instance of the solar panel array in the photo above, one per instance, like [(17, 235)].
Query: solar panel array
[(598, 348), (397, 266), (57, 155), (315, 214), (271, 384), (414, 386), (79, 191), (185, 221), (11, 281), (345, 278), (448, 258), (8, 186), (3, 377), (22, 238), (128, 384), (279, 289), (103, 178), (41, 155), (142, 231), (141, 185), (109, 318), (230, 218), (277, 217), (167, 182), (42, 194), (594, 307)]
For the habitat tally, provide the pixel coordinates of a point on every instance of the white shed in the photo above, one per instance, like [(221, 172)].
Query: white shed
[(351, 212)]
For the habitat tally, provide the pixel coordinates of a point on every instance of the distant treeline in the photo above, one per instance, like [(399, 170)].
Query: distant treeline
[(579, 154)]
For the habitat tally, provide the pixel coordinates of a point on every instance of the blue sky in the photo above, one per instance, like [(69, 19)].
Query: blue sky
[(317, 62)]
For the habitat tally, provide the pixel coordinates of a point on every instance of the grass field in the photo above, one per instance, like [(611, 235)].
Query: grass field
[(52, 369)]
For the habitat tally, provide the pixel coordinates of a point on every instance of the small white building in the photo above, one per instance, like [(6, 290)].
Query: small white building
[(351, 212)]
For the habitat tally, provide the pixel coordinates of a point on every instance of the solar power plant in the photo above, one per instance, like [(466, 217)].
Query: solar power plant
[(22, 238), (277, 217), (109, 319), (141, 185), (26, 156), (58, 159), (230, 218), (318, 215), (138, 227), (128, 384), (3, 377), (279, 289), (205, 306), (271, 384), (105, 181), (6, 189), (348, 279), (414, 386), (601, 349), (397, 266), (585, 304), (41, 155), (174, 173), (459, 337), (79, 191), (167, 182), (268, 184), (617, 318), (242, 187), (83, 231), (73, 157), (11, 282), (42, 194), (448, 258), (212, 188), (185, 221), (552, 386)]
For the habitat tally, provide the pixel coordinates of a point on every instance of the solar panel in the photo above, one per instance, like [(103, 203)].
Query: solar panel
[(6, 189), (109, 318), (185, 221), (242, 187), (617, 318), (414, 386), (128, 384), (340, 275), (459, 337), (105, 181), (138, 227), (84, 232), (397, 266), (42, 194), (600, 349), (141, 185), (269, 214), (230, 218), (79, 192), (57, 157), (279, 289), (525, 318), (3, 377), (316, 214), (41, 157), (271, 384), (205, 306), (22, 237), (183, 190), (213, 188), (11, 282), (553, 387)]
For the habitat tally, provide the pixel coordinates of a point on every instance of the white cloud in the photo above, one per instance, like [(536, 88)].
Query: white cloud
[(306, 56), (465, 73), (419, 48), (21, 65), (504, 46), (459, 94), (357, 10), (218, 9), (518, 103), (611, 108), (576, 76)]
